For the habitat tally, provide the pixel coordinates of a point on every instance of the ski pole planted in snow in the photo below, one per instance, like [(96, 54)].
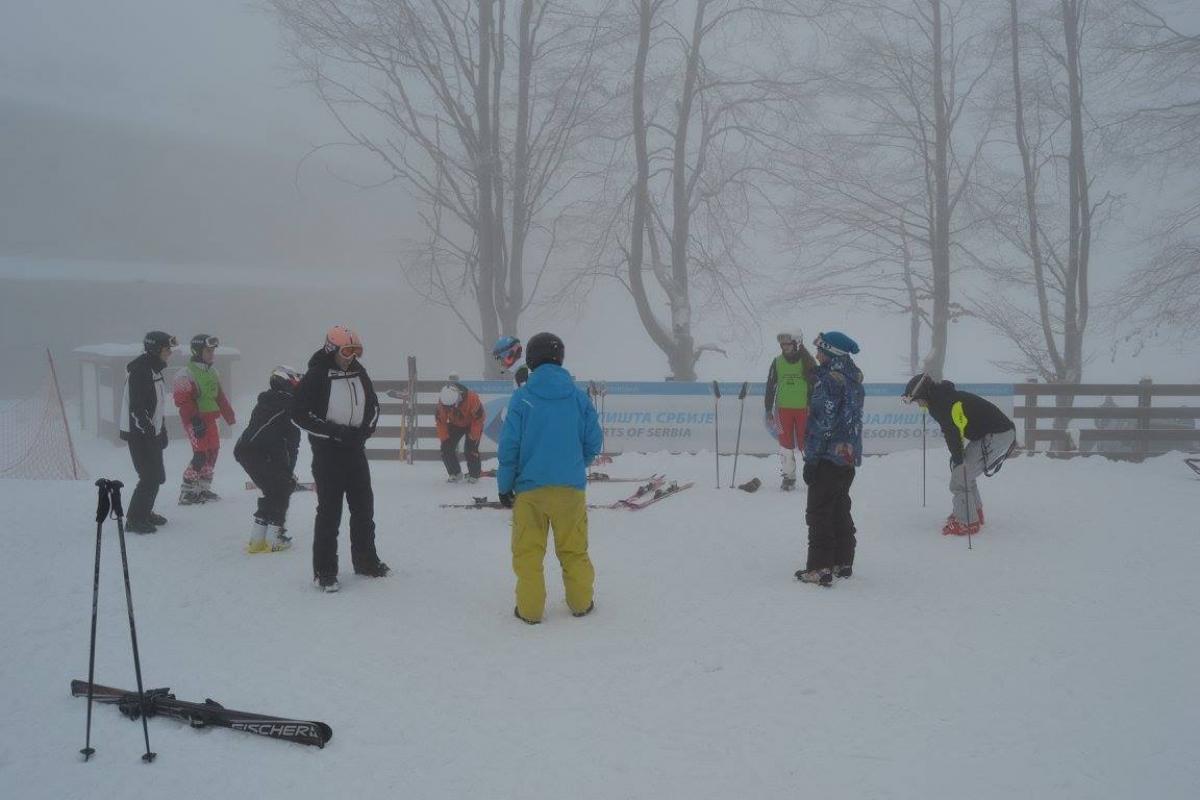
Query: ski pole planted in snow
[(923, 443), (737, 448), (717, 429), (102, 508), (119, 513)]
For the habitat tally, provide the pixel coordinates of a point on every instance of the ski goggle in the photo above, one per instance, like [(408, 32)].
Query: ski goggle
[(786, 339), (170, 342), (211, 341), (351, 351)]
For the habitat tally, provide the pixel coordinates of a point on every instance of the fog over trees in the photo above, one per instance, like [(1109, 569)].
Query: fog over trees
[(693, 172)]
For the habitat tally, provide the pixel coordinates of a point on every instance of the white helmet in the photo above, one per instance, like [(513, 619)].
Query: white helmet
[(450, 395)]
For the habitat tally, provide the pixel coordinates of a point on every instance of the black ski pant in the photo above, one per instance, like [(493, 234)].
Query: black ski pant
[(147, 455), (273, 477), (470, 450), (342, 472), (830, 527)]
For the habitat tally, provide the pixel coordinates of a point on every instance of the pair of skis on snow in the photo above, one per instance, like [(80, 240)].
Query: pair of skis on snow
[(592, 477), (160, 702), (655, 489)]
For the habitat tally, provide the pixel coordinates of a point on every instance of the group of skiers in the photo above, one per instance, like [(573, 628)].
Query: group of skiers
[(550, 435)]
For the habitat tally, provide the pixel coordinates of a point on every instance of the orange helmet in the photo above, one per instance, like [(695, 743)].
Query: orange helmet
[(343, 340)]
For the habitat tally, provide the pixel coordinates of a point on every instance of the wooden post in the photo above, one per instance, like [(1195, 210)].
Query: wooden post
[(1143, 423), (1031, 423)]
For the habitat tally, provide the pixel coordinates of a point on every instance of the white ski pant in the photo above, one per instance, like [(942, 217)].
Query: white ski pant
[(980, 457)]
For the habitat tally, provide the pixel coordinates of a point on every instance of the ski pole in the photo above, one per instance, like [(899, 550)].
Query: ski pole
[(737, 448), (967, 485), (923, 450), (101, 515), (717, 428), (119, 513)]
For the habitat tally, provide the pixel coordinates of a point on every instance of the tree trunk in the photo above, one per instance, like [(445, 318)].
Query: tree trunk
[(940, 251), (485, 280)]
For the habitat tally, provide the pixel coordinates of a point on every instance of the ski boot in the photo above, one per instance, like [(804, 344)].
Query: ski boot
[(157, 520), (139, 526), (276, 540), (190, 494), (842, 571), (472, 479), (258, 538), (788, 484), (955, 528), (821, 577), (376, 570), (591, 607), (517, 614), (455, 478), (327, 583), (206, 492)]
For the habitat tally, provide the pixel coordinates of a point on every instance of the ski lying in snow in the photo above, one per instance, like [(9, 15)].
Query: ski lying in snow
[(1194, 464), (477, 502), (646, 489), (301, 486), (160, 702), (593, 477), (660, 493)]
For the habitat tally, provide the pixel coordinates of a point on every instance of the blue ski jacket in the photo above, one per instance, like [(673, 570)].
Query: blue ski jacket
[(835, 414), (551, 434)]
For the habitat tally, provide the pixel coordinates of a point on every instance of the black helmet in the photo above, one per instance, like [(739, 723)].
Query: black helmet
[(917, 388), (154, 341), (544, 348), (202, 340), (285, 379)]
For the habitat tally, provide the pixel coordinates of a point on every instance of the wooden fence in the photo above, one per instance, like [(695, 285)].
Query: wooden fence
[(1154, 429)]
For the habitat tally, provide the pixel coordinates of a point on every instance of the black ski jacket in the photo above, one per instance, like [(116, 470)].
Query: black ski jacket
[(145, 393), (335, 407), (964, 416), (271, 436)]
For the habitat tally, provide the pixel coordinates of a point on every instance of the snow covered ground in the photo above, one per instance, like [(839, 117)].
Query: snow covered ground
[(1057, 659)]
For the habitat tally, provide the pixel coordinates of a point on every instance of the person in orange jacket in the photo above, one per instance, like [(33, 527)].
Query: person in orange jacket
[(198, 395), (460, 413)]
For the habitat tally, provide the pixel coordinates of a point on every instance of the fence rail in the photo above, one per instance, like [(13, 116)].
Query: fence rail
[(1153, 431)]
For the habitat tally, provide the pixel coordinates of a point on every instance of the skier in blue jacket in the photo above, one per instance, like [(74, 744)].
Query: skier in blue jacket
[(832, 451), (551, 435)]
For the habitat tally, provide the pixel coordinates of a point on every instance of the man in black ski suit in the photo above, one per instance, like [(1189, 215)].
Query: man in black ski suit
[(144, 429), (336, 404)]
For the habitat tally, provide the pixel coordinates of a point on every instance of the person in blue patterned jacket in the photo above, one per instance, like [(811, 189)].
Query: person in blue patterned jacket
[(832, 451)]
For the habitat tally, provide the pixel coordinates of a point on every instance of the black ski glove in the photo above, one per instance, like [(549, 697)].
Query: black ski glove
[(349, 436), (810, 472), (198, 426), (507, 499), (162, 438)]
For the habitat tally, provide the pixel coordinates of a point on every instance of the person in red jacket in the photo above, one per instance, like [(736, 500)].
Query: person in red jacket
[(198, 395), (460, 414)]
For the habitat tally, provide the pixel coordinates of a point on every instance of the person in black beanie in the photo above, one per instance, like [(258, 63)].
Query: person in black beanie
[(979, 436), (336, 404), (144, 429)]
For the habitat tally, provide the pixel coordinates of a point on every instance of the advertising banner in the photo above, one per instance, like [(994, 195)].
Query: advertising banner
[(680, 417)]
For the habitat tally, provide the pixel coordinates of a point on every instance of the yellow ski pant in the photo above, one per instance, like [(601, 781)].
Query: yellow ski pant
[(533, 513)]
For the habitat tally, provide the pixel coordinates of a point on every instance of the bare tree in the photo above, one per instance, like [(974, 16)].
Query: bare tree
[(891, 162), (1049, 215), (1162, 61), (427, 87), (708, 100)]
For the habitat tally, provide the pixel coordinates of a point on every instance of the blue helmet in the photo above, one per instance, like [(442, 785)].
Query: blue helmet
[(507, 350)]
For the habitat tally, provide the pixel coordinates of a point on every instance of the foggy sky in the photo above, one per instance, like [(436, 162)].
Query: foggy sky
[(170, 133)]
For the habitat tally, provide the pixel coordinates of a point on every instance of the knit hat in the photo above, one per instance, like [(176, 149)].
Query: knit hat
[(835, 343)]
